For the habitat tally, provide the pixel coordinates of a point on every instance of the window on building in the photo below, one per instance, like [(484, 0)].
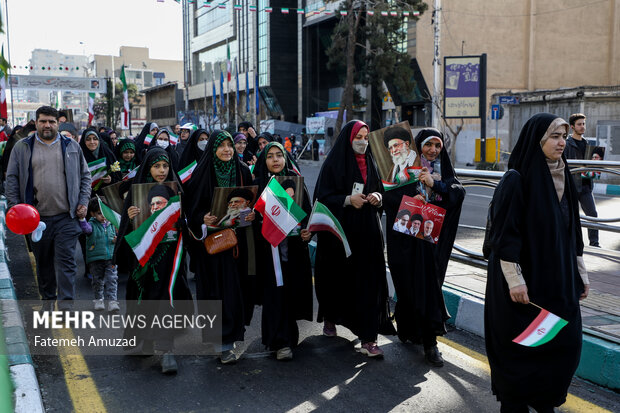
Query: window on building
[(148, 78), (263, 43), (213, 17)]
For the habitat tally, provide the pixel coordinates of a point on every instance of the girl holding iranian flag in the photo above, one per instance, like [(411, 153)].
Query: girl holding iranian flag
[(284, 305), (153, 286), (535, 252), (100, 160), (220, 276)]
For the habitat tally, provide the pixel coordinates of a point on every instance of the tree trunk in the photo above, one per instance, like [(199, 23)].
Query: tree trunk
[(346, 102)]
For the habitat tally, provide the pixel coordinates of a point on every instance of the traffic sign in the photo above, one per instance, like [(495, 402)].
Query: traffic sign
[(508, 100), (495, 112)]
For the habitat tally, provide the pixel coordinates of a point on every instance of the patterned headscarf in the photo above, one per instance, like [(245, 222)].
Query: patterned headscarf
[(224, 171)]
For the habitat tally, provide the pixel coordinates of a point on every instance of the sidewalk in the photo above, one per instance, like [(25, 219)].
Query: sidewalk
[(464, 290)]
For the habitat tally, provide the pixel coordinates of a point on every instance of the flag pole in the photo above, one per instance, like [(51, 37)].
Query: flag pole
[(227, 86), (8, 50), (536, 305)]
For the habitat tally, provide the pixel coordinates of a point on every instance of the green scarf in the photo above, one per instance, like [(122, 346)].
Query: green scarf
[(225, 172)]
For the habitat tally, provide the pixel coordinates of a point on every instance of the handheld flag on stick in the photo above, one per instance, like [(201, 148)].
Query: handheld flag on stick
[(125, 99), (109, 214), (186, 173), (176, 267), (98, 169), (280, 216), (321, 219), (144, 240), (542, 330)]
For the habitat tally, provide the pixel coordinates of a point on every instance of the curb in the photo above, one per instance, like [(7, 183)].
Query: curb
[(600, 358), (606, 189), (26, 392)]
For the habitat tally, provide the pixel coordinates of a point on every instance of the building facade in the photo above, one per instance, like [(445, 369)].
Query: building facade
[(140, 70)]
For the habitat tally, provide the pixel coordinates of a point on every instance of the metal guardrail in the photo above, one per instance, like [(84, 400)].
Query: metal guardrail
[(490, 179)]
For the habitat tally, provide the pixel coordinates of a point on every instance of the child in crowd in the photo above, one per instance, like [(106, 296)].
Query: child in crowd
[(100, 239)]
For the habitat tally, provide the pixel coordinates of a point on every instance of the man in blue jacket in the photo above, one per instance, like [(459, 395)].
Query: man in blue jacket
[(49, 172)]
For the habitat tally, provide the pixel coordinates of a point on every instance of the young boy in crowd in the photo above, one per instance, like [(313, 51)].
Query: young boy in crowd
[(100, 239)]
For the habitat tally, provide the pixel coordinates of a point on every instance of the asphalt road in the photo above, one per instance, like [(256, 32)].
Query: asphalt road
[(326, 374)]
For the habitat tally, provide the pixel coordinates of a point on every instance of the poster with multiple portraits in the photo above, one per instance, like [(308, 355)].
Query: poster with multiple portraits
[(420, 220), (231, 205), (397, 159)]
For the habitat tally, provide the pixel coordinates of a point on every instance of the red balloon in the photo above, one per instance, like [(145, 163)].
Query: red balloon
[(22, 219)]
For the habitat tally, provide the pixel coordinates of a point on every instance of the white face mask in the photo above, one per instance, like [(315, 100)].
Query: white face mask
[(360, 146), (202, 145), (162, 144)]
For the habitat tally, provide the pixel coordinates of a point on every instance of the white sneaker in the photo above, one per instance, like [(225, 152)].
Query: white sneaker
[(113, 307), (99, 305), (284, 353)]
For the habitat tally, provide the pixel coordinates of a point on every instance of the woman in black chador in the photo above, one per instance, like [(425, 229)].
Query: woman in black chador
[(535, 250), (417, 266), (147, 287), (284, 305), (194, 148), (352, 291), (94, 149), (221, 276)]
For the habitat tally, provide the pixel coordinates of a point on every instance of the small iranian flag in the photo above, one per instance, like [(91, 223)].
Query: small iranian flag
[(98, 169), (91, 109), (370, 12), (237, 7), (186, 173), (300, 11), (384, 13), (144, 240), (344, 13), (542, 330), (125, 99), (221, 6), (393, 13), (321, 219), (174, 139), (281, 214), (131, 173), (148, 138), (109, 214), (406, 13), (268, 9), (252, 168), (252, 8), (284, 10), (176, 267)]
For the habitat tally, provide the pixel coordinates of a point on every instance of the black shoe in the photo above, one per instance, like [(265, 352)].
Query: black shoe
[(595, 244), (168, 364), (433, 357)]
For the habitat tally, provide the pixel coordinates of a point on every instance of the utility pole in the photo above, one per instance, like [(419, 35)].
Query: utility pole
[(185, 11), (436, 63)]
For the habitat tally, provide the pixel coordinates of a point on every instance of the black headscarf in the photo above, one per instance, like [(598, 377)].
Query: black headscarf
[(143, 175), (102, 151), (172, 154), (105, 138), (531, 227), (199, 192), (191, 152), (341, 163), (452, 201), (139, 141), (262, 174)]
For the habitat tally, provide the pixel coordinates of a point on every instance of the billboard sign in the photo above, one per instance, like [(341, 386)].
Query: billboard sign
[(65, 83), (463, 86)]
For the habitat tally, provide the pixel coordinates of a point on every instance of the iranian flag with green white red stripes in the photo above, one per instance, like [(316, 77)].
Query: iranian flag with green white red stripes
[(144, 240), (186, 173), (98, 169), (542, 330), (280, 213), (110, 214), (321, 219)]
